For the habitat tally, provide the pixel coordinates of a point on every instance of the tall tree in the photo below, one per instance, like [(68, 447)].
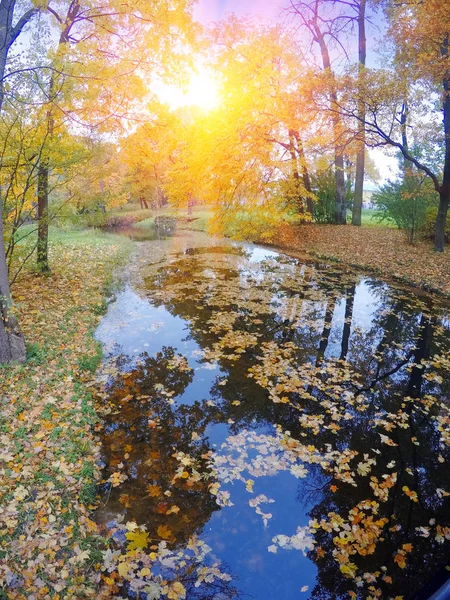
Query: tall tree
[(324, 30), (130, 32), (359, 176), (12, 345), (420, 30)]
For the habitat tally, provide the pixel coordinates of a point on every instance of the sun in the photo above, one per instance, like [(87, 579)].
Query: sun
[(202, 91)]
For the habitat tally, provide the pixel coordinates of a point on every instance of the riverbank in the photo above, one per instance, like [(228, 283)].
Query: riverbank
[(381, 251), (49, 547)]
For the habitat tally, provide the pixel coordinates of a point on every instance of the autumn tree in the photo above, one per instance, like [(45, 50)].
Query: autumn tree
[(105, 36), (12, 23), (420, 31), (79, 77), (246, 157), (147, 155), (324, 31), (21, 145)]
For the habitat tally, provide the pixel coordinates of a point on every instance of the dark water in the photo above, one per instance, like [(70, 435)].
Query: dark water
[(314, 400)]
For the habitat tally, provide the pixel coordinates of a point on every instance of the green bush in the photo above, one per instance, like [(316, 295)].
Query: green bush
[(324, 187), (407, 203)]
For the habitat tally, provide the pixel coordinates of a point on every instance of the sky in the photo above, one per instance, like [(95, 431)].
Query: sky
[(213, 10)]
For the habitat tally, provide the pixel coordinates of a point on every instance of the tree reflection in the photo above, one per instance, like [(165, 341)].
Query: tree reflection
[(143, 433)]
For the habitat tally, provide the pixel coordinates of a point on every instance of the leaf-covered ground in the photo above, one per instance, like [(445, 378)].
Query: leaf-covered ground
[(381, 250), (48, 451)]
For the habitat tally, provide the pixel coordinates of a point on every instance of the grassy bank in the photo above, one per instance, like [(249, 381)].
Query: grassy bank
[(48, 451)]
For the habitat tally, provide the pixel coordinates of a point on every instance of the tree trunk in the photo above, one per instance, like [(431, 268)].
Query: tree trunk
[(441, 220), (359, 176), (42, 217), (341, 209), (305, 173), (12, 344), (42, 193), (340, 212), (444, 192), (295, 173), (44, 168)]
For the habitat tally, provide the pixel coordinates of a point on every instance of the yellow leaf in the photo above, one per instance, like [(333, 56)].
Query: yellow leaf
[(154, 490), (123, 569), (138, 540), (349, 570), (165, 533), (176, 591), (400, 560), (174, 509)]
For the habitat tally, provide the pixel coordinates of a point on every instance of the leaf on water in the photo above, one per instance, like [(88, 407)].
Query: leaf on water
[(138, 540), (154, 491), (173, 510), (165, 533), (410, 493)]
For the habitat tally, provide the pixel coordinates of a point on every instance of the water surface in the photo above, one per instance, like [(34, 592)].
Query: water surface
[(293, 415)]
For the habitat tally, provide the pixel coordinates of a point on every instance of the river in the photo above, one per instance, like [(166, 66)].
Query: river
[(290, 414)]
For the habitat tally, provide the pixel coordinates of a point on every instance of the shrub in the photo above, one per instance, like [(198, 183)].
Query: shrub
[(324, 187), (407, 203)]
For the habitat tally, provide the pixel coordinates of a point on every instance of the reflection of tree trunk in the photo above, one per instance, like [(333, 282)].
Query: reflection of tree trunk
[(329, 311), (349, 302), (359, 177), (421, 352)]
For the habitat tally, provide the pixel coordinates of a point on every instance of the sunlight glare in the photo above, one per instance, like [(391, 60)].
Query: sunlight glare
[(202, 91)]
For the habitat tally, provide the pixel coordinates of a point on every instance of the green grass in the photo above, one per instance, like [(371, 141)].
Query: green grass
[(198, 220), (131, 209), (370, 218), (75, 237)]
